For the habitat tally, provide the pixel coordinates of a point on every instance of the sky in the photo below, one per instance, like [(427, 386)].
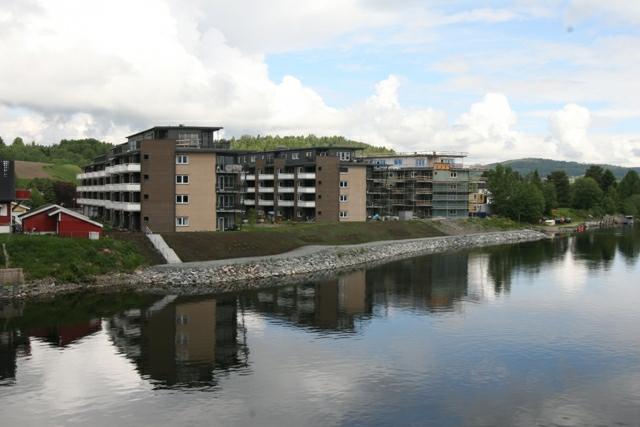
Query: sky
[(496, 79)]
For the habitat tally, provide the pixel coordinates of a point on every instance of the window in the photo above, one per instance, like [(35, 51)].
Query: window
[(344, 214), (182, 319), (182, 179), (182, 221), (182, 199), (146, 197), (253, 159), (319, 168), (344, 170), (308, 154), (345, 156), (295, 156), (146, 157), (146, 177), (344, 198), (344, 184), (454, 174), (420, 163), (181, 159), (146, 219), (397, 162)]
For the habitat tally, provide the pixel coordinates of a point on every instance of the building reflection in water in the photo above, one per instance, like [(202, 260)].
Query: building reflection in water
[(182, 341)]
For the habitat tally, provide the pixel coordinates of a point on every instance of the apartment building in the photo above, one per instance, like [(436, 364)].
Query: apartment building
[(319, 184), (179, 178), (163, 179), (417, 185)]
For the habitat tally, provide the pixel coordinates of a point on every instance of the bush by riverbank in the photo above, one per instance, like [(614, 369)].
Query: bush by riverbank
[(68, 259)]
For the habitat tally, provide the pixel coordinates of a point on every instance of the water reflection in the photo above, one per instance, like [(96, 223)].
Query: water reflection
[(221, 343), (181, 341)]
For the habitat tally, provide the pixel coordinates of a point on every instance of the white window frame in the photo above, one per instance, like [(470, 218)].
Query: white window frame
[(344, 214), (182, 221), (344, 198), (180, 179), (180, 158), (182, 199), (344, 156), (397, 162), (344, 184), (420, 163), (295, 156)]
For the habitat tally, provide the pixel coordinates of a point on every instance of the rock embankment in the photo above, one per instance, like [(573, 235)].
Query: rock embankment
[(219, 276)]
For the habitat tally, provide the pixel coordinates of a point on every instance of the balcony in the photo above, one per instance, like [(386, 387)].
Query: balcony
[(307, 190), (123, 206), (286, 189), (285, 176), (266, 177), (285, 203), (92, 202), (89, 175), (265, 189), (90, 188), (306, 204), (125, 186), (249, 202), (251, 189), (123, 168), (265, 202), (248, 177), (306, 175)]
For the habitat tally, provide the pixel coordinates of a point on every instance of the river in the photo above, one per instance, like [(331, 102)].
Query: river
[(541, 333)]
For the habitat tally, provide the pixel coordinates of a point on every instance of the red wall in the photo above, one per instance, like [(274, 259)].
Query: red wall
[(42, 223), (70, 226), (6, 219)]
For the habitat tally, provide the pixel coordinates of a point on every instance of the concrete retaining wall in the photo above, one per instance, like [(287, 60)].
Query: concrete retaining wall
[(11, 276)]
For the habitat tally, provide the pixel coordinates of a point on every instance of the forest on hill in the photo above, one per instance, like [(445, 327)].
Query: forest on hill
[(546, 166)]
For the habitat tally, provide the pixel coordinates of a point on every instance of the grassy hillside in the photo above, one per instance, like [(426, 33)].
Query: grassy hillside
[(69, 259), (26, 171), (546, 166)]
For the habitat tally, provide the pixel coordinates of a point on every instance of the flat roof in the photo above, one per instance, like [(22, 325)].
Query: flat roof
[(211, 128), (418, 154), (277, 150)]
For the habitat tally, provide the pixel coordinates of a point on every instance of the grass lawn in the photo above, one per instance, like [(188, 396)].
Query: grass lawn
[(70, 259), (269, 240), (63, 172)]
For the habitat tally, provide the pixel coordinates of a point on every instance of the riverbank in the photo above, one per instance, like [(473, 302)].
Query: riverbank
[(255, 272)]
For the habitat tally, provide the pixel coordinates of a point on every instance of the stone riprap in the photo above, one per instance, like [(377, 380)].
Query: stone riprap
[(311, 263), (228, 275)]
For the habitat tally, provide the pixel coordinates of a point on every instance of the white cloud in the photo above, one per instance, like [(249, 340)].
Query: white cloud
[(104, 70)]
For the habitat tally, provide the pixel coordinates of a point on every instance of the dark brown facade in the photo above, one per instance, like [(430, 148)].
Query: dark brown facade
[(328, 188), (158, 170)]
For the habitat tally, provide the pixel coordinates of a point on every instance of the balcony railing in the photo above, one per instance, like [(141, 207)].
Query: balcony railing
[(88, 188), (126, 186), (285, 203), (89, 175), (123, 206), (306, 204), (265, 189), (308, 190), (249, 202), (123, 168), (251, 189), (266, 177), (285, 176), (286, 189), (265, 202), (306, 175)]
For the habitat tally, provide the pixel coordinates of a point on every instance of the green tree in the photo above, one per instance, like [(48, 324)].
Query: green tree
[(527, 203), (2, 144), (595, 172), (586, 193), (560, 181), (608, 180), (18, 142), (610, 202), (550, 198), (501, 182), (629, 185)]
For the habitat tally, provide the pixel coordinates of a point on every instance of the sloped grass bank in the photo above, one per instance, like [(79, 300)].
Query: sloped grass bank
[(68, 259), (270, 240)]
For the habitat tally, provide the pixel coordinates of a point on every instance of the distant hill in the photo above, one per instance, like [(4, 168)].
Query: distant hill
[(546, 166), (57, 172)]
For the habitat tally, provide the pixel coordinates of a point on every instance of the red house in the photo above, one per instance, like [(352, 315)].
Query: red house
[(54, 219)]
